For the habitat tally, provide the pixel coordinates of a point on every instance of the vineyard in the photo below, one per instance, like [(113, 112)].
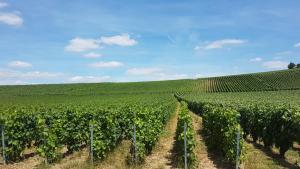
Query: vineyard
[(54, 120), (266, 81), (270, 115), (49, 128)]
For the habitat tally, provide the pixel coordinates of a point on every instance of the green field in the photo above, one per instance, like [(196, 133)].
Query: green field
[(287, 81), (51, 117)]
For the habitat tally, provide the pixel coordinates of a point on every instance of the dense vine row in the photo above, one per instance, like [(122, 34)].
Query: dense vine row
[(221, 125), (49, 129), (185, 118), (149, 123), (275, 124)]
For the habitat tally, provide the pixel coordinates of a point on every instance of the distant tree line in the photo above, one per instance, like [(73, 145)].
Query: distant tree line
[(293, 65)]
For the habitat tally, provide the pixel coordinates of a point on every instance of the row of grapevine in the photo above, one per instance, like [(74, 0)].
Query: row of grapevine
[(49, 129), (185, 119), (220, 125), (275, 124), (149, 123)]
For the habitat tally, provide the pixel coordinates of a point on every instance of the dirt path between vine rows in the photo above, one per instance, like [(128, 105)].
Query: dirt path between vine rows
[(161, 157)]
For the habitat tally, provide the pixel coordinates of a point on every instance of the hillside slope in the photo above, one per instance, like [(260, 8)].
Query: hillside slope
[(265, 81)]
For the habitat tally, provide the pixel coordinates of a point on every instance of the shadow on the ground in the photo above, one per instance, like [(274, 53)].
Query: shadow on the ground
[(275, 157), (68, 153), (173, 158), (23, 158), (29, 155)]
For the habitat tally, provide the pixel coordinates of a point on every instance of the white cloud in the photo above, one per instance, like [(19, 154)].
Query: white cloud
[(297, 45), (88, 79), (80, 45), (6, 74), (11, 19), (121, 40), (92, 55), (143, 71), (13, 82), (38, 74), (154, 74), (3, 4), (19, 64), (257, 59), (110, 64), (275, 64), (199, 76), (13, 77), (220, 44), (11, 74)]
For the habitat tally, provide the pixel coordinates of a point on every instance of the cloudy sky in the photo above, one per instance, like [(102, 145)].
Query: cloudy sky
[(54, 41)]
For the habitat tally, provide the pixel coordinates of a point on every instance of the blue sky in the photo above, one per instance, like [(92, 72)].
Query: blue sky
[(54, 41)]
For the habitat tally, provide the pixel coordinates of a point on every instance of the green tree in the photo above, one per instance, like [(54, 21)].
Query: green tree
[(291, 65)]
